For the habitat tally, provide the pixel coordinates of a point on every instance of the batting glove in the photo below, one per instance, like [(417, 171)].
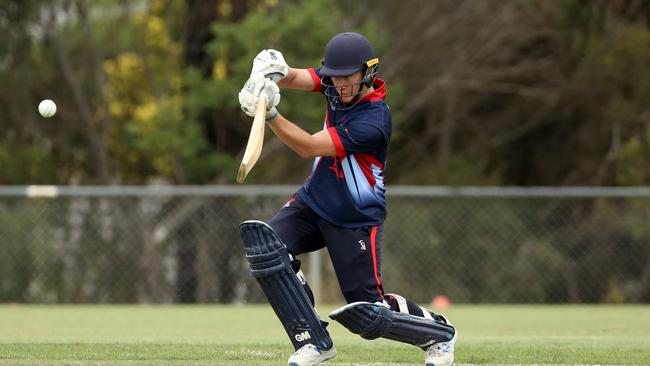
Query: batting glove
[(256, 87), (271, 64)]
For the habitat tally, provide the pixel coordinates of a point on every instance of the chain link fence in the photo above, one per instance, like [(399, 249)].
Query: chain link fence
[(182, 245)]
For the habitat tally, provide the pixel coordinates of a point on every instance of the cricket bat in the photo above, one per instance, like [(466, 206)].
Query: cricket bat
[(255, 142)]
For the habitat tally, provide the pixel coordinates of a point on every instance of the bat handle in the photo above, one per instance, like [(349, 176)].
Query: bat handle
[(260, 112), (274, 76)]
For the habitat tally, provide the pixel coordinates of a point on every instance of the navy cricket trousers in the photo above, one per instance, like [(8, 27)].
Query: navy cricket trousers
[(354, 251)]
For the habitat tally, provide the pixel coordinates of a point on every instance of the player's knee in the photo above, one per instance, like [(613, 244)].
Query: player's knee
[(272, 266)]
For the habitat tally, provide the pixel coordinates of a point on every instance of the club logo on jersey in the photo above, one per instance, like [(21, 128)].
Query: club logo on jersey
[(300, 337), (362, 244), (337, 168)]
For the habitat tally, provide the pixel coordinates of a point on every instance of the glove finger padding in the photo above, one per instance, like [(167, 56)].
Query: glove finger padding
[(247, 99), (271, 92), (257, 86)]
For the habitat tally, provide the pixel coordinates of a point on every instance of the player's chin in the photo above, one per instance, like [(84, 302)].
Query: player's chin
[(347, 99)]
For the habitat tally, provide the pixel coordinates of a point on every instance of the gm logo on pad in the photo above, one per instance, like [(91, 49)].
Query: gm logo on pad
[(300, 337)]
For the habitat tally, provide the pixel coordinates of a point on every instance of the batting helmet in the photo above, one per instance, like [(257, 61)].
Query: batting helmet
[(347, 53)]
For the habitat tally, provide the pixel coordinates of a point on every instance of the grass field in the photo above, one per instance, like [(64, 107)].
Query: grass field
[(250, 335)]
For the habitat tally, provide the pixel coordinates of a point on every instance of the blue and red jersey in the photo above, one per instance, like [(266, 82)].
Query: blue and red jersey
[(348, 189)]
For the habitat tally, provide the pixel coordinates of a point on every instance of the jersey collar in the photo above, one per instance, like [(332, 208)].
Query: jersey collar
[(378, 94)]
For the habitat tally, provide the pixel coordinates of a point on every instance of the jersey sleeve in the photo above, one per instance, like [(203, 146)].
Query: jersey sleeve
[(357, 137), (315, 75)]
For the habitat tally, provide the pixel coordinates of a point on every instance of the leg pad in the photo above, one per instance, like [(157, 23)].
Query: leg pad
[(271, 266), (372, 321)]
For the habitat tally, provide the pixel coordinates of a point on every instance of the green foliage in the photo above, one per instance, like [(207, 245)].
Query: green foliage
[(127, 101), (151, 137), (16, 261), (26, 163), (581, 21), (517, 249), (615, 68), (149, 117)]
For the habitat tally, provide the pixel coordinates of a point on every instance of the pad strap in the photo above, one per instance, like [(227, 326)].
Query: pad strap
[(402, 305)]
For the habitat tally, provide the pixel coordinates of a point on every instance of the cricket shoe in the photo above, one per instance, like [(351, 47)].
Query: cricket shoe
[(311, 355), (441, 353)]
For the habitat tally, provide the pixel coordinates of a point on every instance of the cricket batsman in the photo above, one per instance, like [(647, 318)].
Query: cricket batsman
[(341, 207)]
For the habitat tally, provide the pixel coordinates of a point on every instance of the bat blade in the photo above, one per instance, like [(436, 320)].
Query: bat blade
[(255, 142)]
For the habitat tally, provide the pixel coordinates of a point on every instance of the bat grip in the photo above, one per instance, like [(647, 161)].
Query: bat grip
[(274, 76)]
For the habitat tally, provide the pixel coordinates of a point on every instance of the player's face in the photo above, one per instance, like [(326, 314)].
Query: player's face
[(348, 86)]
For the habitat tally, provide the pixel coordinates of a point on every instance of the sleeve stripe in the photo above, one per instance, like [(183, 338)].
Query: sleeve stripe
[(340, 150), (317, 85)]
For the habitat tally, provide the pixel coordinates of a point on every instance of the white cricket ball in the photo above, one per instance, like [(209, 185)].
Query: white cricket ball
[(47, 108)]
